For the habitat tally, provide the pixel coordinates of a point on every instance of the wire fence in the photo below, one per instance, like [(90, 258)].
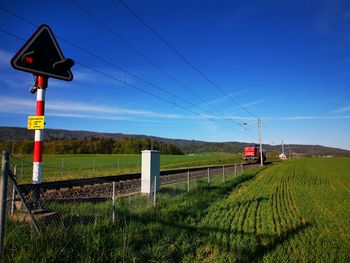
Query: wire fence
[(68, 168), (94, 201), (36, 210)]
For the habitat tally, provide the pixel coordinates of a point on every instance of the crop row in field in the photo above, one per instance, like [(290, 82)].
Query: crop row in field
[(296, 211)]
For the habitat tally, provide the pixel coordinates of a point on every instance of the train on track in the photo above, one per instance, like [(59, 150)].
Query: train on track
[(251, 154)]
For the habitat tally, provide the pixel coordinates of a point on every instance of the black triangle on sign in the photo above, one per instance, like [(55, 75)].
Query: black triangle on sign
[(41, 55)]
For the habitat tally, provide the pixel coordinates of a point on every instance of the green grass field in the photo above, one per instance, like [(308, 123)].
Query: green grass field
[(296, 211), (88, 165)]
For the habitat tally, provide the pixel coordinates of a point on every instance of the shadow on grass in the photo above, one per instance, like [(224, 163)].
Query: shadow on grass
[(75, 200), (172, 191), (209, 235), (262, 249), (184, 218), (169, 232), (73, 220)]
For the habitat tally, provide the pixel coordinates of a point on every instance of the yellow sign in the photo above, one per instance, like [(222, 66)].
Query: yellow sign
[(36, 122)]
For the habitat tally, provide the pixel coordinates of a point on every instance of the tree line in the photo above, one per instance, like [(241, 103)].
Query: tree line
[(91, 146)]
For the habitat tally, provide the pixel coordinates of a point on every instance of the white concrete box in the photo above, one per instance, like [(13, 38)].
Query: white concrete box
[(150, 169)]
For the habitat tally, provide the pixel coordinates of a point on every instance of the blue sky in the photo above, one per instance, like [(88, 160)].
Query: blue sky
[(285, 61)]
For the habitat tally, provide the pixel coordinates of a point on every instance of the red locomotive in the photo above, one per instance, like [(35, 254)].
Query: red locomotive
[(252, 154)]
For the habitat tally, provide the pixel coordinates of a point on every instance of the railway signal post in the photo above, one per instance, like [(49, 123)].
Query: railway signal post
[(41, 85), (42, 57)]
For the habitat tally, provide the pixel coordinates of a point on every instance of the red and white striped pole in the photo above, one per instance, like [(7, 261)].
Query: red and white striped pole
[(41, 85)]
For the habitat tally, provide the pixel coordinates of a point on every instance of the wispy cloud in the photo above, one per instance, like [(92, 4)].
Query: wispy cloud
[(344, 109), (5, 58), (81, 110), (252, 103), (83, 76), (225, 98), (86, 116), (298, 118), (86, 75)]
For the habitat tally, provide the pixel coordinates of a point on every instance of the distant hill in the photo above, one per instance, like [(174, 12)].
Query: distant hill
[(187, 146)]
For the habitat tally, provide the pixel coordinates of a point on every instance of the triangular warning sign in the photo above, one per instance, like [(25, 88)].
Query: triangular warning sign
[(41, 55)]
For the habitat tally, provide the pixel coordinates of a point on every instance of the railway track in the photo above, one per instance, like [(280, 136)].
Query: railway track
[(102, 187)]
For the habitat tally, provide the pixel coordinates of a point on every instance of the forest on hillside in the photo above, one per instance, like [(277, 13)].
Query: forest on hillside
[(91, 146), (22, 139)]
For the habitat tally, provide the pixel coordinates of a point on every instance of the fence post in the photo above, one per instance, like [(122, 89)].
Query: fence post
[(154, 190), (3, 197), (241, 168), (113, 202), (188, 180), (208, 175), (235, 169), (13, 194), (223, 173)]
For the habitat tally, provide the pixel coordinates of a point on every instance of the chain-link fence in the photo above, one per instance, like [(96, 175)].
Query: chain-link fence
[(77, 205), (60, 168), (192, 179), (80, 201)]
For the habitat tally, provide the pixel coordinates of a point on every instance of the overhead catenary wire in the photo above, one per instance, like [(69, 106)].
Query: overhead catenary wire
[(220, 116), (157, 34), (138, 88), (89, 53), (118, 67), (187, 61), (136, 76), (131, 46), (158, 97), (269, 130)]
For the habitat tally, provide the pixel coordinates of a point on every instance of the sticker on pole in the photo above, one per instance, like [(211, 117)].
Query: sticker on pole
[(36, 122), (41, 55)]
